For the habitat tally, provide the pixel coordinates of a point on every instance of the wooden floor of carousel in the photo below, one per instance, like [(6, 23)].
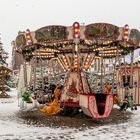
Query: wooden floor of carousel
[(79, 120)]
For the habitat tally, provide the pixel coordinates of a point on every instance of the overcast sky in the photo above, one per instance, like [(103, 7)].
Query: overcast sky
[(19, 15)]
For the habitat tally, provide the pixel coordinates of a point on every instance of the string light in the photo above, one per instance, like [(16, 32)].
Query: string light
[(28, 37), (125, 32)]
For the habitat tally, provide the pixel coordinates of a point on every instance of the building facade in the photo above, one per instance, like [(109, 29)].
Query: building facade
[(127, 76)]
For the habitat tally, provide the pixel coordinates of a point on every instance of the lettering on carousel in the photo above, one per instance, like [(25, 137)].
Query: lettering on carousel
[(101, 31), (50, 33)]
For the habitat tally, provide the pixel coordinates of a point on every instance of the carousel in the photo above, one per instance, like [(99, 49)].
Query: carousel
[(76, 48)]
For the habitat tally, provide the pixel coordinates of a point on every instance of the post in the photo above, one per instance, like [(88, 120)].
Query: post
[(34, 73), (131, 72), (125, 73), (25, 73), (101, 73)]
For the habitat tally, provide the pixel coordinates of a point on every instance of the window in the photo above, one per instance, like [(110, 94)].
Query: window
[(126, 80)]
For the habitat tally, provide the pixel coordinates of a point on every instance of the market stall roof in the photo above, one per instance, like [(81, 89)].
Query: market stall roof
[(4, 71)]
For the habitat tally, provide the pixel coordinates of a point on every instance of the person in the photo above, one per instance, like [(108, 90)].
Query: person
[(127, 92), (125, 102)]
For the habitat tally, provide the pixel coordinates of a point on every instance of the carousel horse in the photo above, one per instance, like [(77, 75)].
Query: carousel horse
[(117, 101), (107, 88), (54, 107)]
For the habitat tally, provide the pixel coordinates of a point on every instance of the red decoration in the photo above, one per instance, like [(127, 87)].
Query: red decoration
[(125, 32), (76, 30), (28, 37), (69, 100)]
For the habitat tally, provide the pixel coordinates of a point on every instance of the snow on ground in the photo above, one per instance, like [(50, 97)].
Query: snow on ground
[(12, 128)]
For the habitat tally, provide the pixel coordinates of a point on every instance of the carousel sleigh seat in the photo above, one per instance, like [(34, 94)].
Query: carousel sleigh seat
[(96, 105)]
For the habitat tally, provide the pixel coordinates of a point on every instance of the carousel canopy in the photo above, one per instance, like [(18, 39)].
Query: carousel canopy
[(102, 39)]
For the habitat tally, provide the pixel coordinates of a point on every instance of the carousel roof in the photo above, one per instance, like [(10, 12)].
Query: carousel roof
[(102, 39)]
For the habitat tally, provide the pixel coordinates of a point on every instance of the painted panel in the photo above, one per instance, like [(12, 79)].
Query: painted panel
[(134, 36), (101, 31), (93, 107), (71, 92), (50, 33), (20, 41), (109, 105), (83, 100)]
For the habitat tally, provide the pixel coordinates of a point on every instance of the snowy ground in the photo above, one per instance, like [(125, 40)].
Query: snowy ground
[(12, 128)]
